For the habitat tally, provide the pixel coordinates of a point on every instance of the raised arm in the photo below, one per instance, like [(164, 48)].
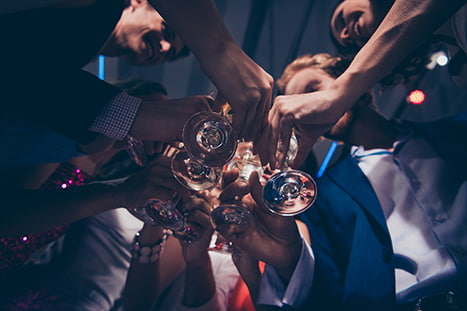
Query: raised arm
[(404, 27), (246, 85)]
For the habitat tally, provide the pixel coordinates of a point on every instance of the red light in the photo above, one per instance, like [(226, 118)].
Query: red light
[(416, 97)]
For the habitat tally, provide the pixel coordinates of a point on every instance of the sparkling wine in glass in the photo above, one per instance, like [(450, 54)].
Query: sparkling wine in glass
[(290, 192), (245, 161)]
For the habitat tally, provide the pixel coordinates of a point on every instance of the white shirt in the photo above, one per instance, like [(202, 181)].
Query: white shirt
[(423, 226)]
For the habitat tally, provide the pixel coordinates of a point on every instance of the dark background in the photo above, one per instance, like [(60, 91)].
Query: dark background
[(274, 32)]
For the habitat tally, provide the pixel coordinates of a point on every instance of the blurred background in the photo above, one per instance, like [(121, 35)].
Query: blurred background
[(273, 33)]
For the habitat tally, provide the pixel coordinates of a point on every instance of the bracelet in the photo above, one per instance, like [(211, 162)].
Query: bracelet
[(147, 253)]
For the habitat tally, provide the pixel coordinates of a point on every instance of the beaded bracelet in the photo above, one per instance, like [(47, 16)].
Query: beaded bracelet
[(147, 253)]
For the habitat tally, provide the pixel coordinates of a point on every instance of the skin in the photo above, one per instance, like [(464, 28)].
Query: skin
[(142, 37), (406, 24), (310, 80), (353, 21), (246, 86)]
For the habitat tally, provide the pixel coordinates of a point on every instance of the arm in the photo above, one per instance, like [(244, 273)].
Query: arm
[(26, 211), (200, 286), (142, 283), (277, 242), (406, 24), (246, 85)]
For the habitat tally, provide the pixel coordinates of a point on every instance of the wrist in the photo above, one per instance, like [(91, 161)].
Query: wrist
[(144, 252), (198, 261), (285, 272)]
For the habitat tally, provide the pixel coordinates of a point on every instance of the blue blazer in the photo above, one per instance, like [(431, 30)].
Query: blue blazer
[(354, 268)]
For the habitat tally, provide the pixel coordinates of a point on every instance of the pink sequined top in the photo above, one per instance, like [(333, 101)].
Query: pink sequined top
[(16, 251)]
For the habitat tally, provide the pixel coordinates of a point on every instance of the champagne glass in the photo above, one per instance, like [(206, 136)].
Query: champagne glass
[(228, 220), (135, 149), (193, 174), (165, 214), (208, 138), (245, 161), (235, 218), (208, 144), (289, 192)]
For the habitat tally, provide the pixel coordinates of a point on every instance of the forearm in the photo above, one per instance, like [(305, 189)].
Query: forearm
[(27, 211), (405, 26), (198, 23), (143, 279), (200, 285)]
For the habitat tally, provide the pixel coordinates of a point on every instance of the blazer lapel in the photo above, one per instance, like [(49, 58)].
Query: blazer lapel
[(359, 188)]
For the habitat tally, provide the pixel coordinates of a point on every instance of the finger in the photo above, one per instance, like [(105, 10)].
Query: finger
[(234, 191), (251, 119), (256, 189), (196, 203), (219, 103), (283, 144), (149, 147), (238, 122), (305, 146), (229, 177), (273, 133), (261, 116), (199, 218)]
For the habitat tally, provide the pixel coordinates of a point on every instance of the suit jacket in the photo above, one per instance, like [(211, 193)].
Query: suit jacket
[(43, 52), (354, 267)]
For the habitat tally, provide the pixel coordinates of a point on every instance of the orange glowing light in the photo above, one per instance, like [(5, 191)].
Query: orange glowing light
[(416, 97)]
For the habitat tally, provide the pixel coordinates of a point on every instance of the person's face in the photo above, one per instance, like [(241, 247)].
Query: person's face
[(311, 79), (144, 37), (354, 21)]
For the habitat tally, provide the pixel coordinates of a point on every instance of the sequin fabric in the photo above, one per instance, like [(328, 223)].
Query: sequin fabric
[(15, 252)]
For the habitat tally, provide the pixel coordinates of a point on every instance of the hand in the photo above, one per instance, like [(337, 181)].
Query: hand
[(198, 210), (275, 240), (245, 85), (154, 181), (311, 114), (248, 267), (164, 120)]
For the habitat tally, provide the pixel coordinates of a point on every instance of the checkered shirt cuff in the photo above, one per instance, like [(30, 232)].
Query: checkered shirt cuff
[(116, 118)]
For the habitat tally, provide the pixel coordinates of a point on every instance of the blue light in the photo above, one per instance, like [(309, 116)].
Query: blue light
[(327, 159), (101, 67)]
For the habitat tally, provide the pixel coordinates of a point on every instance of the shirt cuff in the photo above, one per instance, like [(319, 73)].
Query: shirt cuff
[(116, 118), (274, 292)]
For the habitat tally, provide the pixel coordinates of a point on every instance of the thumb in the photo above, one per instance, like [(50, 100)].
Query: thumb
[(220, 104)]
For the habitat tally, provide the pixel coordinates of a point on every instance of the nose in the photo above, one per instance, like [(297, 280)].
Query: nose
[(165, 46)]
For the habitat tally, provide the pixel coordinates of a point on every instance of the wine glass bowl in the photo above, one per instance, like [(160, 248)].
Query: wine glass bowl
[(232, 219), (289, 192), (159, 213), (193, 174), (208, 137)]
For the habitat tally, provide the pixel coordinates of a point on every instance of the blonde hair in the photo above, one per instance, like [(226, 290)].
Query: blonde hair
[(333, 66)]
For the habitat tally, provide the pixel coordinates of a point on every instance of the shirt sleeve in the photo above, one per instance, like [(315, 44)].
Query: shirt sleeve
[(116, 118), (274, 292)]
